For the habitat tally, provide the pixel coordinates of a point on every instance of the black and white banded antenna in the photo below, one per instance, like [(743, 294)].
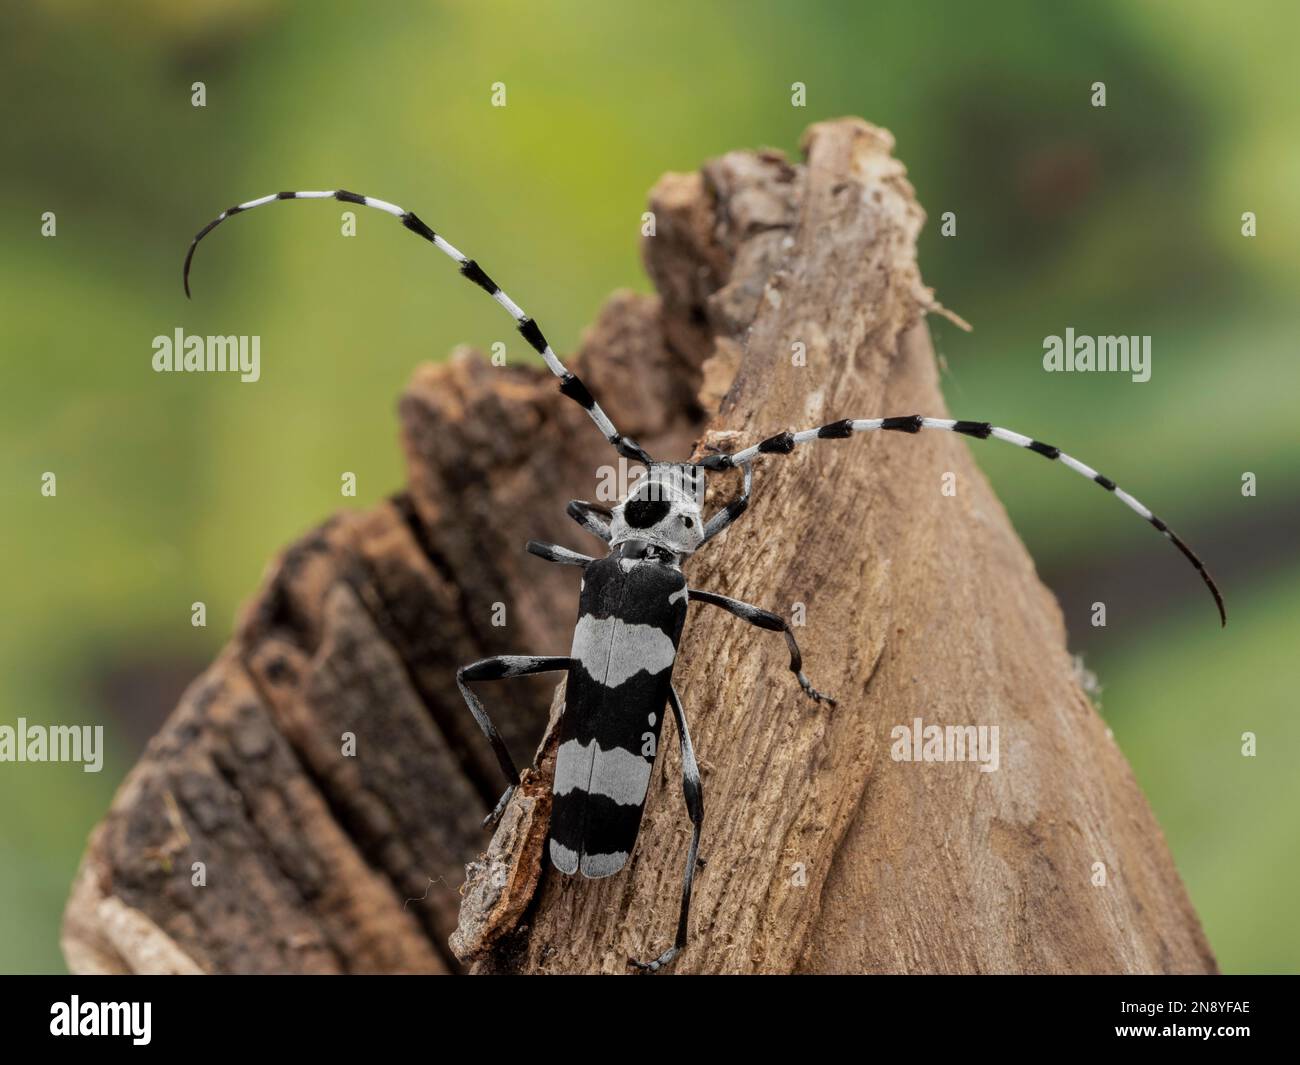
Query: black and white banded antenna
[(570, 384), (784, 443)]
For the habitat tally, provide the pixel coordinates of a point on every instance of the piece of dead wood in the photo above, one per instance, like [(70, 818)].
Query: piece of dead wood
[(823, 854)]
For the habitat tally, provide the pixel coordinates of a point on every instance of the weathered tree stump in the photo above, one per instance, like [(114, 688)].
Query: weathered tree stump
[(823, 854)]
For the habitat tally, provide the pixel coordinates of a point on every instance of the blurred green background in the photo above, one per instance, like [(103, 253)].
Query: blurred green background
[(179, 488)]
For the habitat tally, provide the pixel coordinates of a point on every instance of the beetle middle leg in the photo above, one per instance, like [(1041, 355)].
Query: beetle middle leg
[(765, 619), (555, 553)]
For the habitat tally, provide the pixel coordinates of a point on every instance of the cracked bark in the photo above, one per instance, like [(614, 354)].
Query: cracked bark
[(823, 854)]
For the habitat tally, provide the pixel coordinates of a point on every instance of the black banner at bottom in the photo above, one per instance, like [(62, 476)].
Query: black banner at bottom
[(431, 1016)]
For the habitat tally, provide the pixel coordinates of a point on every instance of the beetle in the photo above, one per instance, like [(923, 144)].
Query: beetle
[(633, 604)]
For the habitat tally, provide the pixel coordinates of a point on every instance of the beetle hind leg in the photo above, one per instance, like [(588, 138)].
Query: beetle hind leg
[(693, 790), (502, 667)]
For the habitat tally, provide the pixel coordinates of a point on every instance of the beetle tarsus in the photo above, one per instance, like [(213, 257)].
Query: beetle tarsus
[(659, 962), (813, 694), (502, 803)]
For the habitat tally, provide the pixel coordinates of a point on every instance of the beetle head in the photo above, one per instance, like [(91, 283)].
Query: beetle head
[(664, 510)]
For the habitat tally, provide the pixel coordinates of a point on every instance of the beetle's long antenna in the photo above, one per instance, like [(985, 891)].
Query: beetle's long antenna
[(784, 443), (570, 384)]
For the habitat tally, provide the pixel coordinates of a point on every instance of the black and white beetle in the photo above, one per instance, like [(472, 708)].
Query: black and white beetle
[(633, 606)]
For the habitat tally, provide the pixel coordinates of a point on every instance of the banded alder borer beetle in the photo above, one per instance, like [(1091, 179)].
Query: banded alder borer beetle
[(633, 605)]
